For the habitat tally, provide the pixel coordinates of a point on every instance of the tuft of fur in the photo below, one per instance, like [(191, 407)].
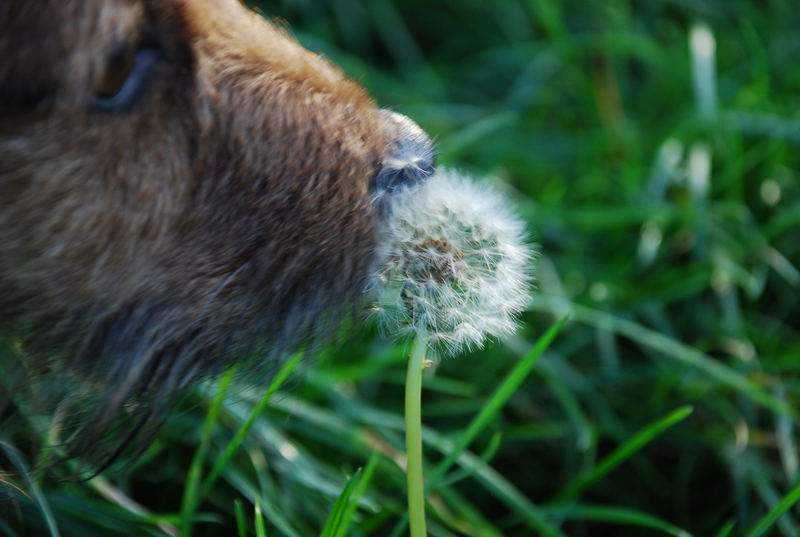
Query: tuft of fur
[(229, 213)]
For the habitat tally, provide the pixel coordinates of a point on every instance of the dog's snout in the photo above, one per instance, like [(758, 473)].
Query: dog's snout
[(410, 155)]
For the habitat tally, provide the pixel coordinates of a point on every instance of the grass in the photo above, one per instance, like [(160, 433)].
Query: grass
[(659, 177)]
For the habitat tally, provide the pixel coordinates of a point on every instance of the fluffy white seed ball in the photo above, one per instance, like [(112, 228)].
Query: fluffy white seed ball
[(454, 263)]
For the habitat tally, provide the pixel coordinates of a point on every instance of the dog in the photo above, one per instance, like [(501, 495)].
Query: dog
[(182, 186)]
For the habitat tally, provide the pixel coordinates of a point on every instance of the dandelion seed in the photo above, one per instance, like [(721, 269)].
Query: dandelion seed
[(454, 264)]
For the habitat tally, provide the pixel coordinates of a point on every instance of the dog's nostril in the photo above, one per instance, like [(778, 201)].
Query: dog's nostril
[(425, 166), (410, 155)]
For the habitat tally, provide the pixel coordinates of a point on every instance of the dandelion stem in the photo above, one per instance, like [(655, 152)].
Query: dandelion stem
[(416, 486)]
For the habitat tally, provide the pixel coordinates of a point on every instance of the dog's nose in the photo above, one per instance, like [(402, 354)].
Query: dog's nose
[(410, 156)]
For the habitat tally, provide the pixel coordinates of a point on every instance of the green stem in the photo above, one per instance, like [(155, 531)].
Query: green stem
[(416, 486)]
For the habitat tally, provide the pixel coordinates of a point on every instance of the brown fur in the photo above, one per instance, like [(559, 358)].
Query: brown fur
[(229, 212)]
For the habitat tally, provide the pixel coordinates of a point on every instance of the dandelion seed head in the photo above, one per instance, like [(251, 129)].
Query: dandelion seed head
[(454, 263)]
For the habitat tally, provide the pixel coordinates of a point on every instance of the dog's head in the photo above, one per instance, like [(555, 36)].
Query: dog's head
[(181, 184)]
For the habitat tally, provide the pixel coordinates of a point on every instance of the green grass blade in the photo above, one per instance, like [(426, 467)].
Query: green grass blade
[(493, 481), (487, 455), (568, 400), (471, 521), (334, 522), (726, 529), (236, 441), (456, 144), (496, 402), (617, 515), (241, 524), (622, 453), (41, 500), (775, 513), (361, 487), (240, 482), (261, 529), (190, 492), (669, 347)]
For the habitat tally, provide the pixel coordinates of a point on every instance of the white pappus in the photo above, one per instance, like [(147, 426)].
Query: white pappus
[(454, 262)]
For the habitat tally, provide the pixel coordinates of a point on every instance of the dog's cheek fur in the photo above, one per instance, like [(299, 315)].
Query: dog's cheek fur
[(226, 216)]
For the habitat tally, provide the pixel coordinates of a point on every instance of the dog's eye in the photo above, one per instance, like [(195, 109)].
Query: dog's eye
[(125, 78)]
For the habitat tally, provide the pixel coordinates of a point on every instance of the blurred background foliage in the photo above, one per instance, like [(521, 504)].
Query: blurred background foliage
[(653, 148)]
